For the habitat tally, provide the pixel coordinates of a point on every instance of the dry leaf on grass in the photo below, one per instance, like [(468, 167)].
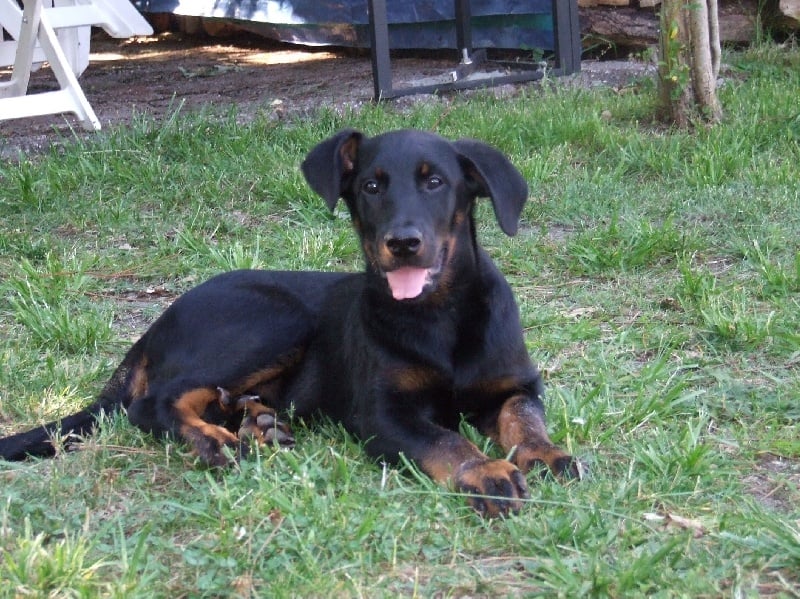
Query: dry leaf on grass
[(697, 527)]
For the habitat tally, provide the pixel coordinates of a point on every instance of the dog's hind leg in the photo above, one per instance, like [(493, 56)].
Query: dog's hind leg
[(206, 418), (190, 415)]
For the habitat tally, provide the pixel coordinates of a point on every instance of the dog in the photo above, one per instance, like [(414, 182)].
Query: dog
[(426, 335)]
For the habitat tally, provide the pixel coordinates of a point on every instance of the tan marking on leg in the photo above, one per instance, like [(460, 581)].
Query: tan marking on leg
[(521, 427), (493, 487), (265, 376), (207, 439), (447, 455), (138, 383)]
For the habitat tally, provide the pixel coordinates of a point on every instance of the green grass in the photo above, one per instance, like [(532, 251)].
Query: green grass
[(658, 276)]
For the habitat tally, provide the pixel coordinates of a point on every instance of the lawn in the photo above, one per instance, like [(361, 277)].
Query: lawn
[(658, 277)]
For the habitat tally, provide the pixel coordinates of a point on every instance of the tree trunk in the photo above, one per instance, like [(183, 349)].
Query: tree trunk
[(689, 61)]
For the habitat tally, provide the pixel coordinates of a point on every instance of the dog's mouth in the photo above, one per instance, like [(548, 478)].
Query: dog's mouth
[(409, 282)]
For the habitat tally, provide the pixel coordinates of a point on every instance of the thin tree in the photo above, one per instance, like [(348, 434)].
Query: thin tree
[(690, 55)]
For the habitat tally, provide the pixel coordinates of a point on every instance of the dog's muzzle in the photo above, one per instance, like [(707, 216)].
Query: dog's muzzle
[(409, 282), (407, 263)]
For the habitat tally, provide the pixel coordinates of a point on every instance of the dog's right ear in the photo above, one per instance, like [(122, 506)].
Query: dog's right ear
[(331, 164)]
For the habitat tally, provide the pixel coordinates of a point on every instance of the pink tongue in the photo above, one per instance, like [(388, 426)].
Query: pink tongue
[(407, 282)]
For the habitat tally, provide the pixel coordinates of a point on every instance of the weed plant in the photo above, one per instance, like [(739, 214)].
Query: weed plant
[(658, 276)]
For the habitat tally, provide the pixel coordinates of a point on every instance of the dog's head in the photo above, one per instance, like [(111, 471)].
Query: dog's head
[(410, 195)]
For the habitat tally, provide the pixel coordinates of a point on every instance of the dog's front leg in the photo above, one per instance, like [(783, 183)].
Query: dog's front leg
[(520, 428), (494, 487)]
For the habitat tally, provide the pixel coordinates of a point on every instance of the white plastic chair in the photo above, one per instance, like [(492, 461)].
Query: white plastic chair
[(34, 31)]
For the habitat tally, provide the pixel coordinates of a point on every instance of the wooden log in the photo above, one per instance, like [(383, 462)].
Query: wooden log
[(631, 27), (627, 27), (790, 9)]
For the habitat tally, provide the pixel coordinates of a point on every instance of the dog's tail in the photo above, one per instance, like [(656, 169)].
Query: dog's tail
[(38, 442)]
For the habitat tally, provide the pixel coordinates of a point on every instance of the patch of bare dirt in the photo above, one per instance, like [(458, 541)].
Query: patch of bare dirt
[(775, 482), (156, 74)]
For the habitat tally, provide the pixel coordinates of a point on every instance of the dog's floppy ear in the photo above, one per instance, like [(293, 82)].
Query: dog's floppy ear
[(493, 176), (328, 166)]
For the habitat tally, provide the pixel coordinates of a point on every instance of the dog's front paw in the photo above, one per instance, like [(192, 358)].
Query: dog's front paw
[(548, 459), (496, 487)]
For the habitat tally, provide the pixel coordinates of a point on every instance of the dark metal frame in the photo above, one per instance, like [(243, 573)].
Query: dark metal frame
[(567, 40)]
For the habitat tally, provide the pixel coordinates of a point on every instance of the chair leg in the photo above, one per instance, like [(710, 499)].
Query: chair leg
[(23, 61), (65, 76)]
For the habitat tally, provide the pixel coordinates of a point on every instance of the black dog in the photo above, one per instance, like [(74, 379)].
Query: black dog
[(428, 333)]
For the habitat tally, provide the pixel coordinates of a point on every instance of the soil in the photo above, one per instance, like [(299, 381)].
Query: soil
[(156, 74)]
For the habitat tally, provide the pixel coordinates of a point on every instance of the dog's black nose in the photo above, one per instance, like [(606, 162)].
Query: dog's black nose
[(404, 242)]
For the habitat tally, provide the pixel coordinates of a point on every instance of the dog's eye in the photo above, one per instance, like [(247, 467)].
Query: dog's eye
[(433, 182), (371, 187)]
